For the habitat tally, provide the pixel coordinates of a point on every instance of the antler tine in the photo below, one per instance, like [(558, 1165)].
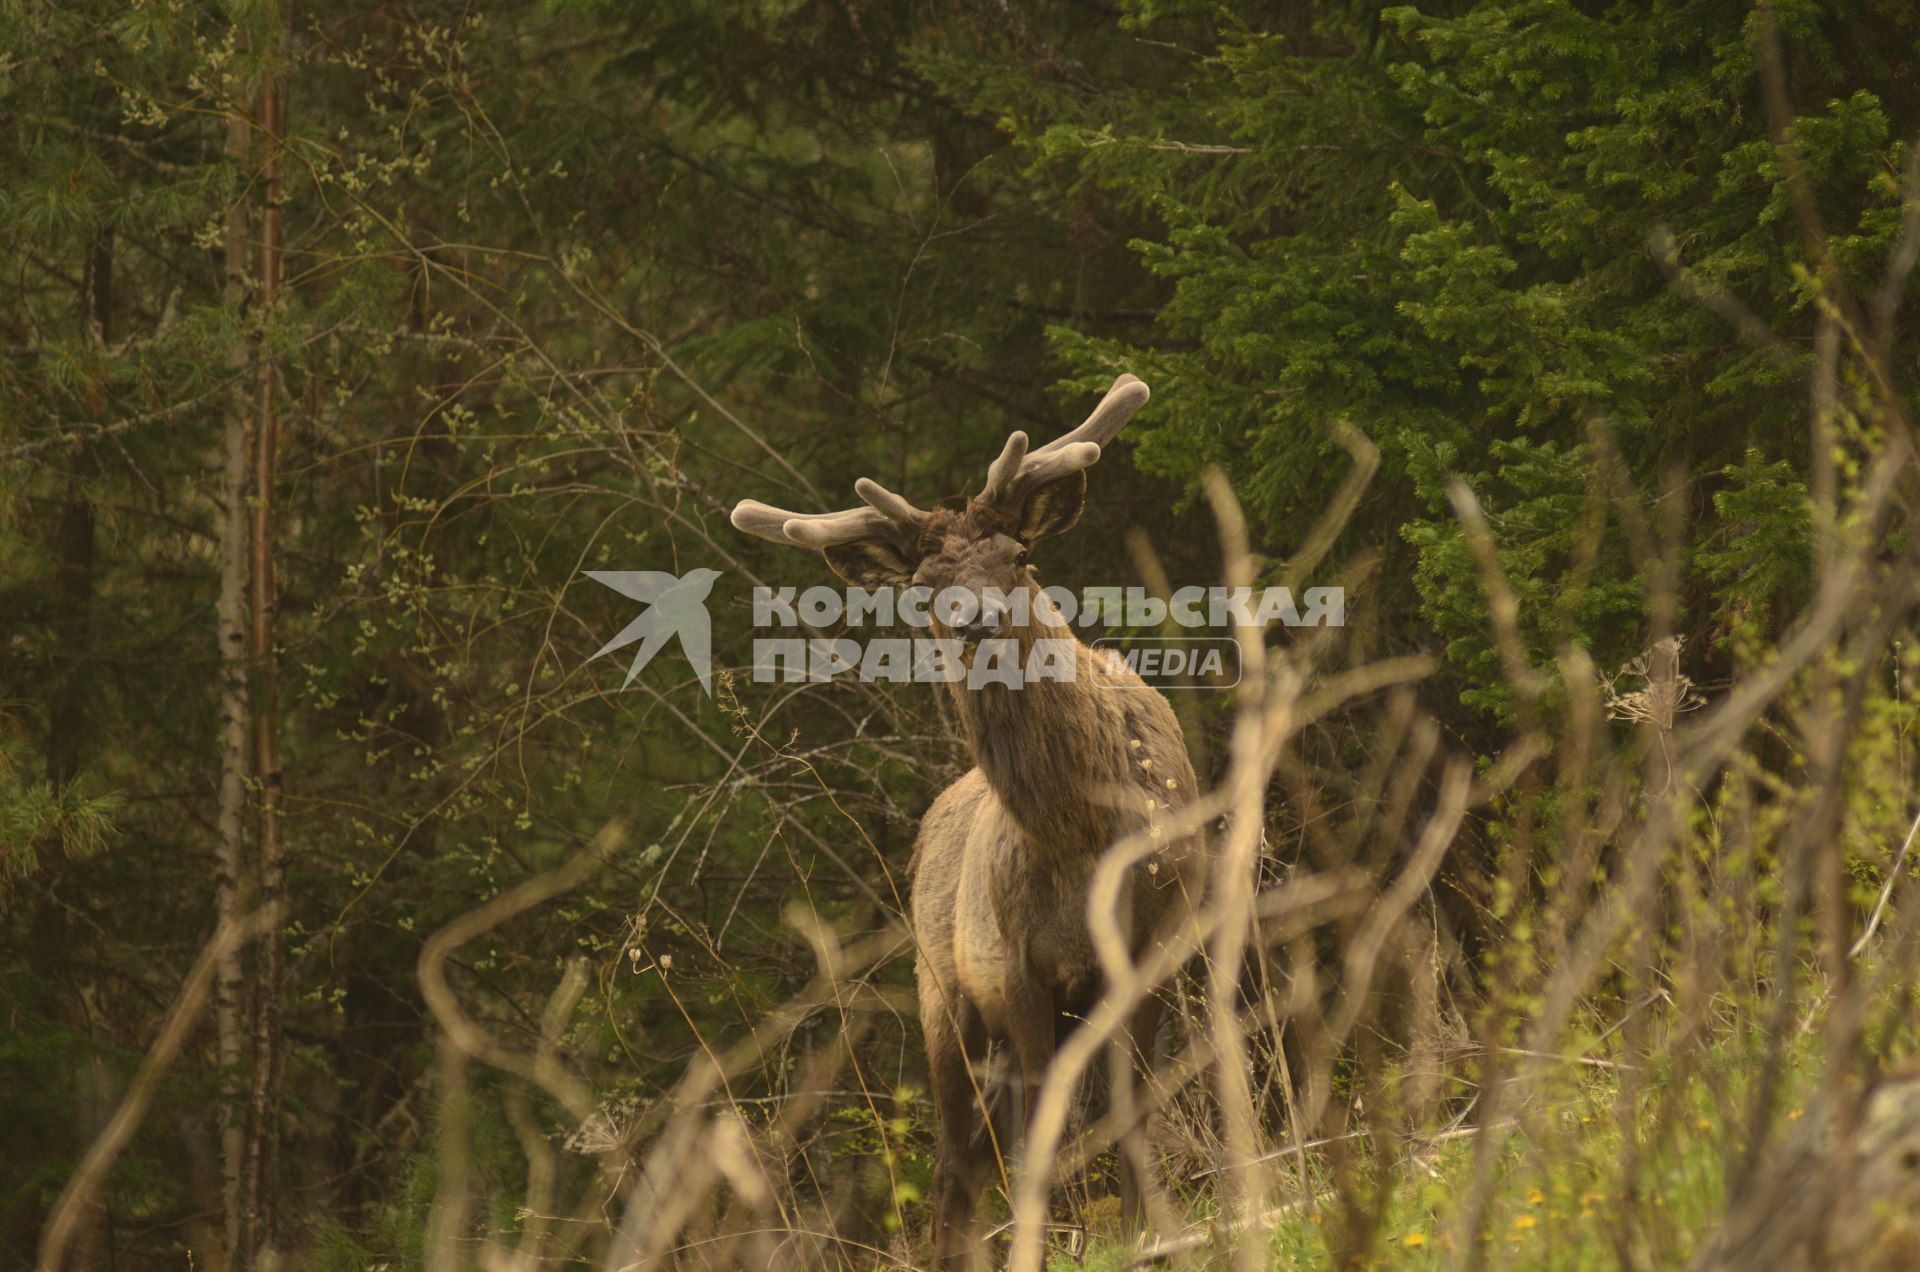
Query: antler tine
[(1009, 478), (1003, 472), (890, 505), (888, 517), (1017, 471), (828, 529), (1128, 395), (763, 520)]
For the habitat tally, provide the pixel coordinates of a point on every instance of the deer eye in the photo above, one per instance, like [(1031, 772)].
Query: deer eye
[(1020, 559)]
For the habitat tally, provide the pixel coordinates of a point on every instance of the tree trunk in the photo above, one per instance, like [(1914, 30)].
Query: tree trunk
[(229, 987), (76, 546), (66, 699), (263, 1103)]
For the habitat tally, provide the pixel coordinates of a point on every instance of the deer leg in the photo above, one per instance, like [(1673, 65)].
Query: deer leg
[(1030, 1027), (1132, 1061), (953, 1034)]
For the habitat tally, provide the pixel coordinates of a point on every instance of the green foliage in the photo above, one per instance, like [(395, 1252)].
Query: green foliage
[(40, 825), (1759, 558), (1649, 1167), (1545, 519), (1433, 223)]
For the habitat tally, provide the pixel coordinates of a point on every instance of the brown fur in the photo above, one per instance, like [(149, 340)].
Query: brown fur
[(1005, 857)]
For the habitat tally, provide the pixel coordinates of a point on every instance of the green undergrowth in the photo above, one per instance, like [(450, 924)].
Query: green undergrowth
[(1581, 1183)]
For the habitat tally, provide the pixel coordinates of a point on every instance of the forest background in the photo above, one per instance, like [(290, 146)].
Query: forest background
[(338, 342)]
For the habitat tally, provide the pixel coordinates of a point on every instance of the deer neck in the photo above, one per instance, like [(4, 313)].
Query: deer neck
[(1064, 757)]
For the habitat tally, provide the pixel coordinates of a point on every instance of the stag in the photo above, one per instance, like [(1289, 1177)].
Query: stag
[(1064, 767)]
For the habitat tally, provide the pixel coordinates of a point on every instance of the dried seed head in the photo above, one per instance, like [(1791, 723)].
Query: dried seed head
[(1664, 693)]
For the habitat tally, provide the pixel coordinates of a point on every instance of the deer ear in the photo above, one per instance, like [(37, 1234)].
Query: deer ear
[(870, 563), (1053, 508)]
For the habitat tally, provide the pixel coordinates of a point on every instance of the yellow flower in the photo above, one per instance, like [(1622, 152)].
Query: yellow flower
[(1535, 1196), (1702, 1124), (1793, 1114), (1414, 1240), (1523, 1222)]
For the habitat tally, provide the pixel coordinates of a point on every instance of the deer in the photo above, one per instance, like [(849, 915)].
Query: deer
[(1064, 767)]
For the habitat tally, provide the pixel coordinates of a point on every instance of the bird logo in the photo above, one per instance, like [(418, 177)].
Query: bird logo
[(676, 606)]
